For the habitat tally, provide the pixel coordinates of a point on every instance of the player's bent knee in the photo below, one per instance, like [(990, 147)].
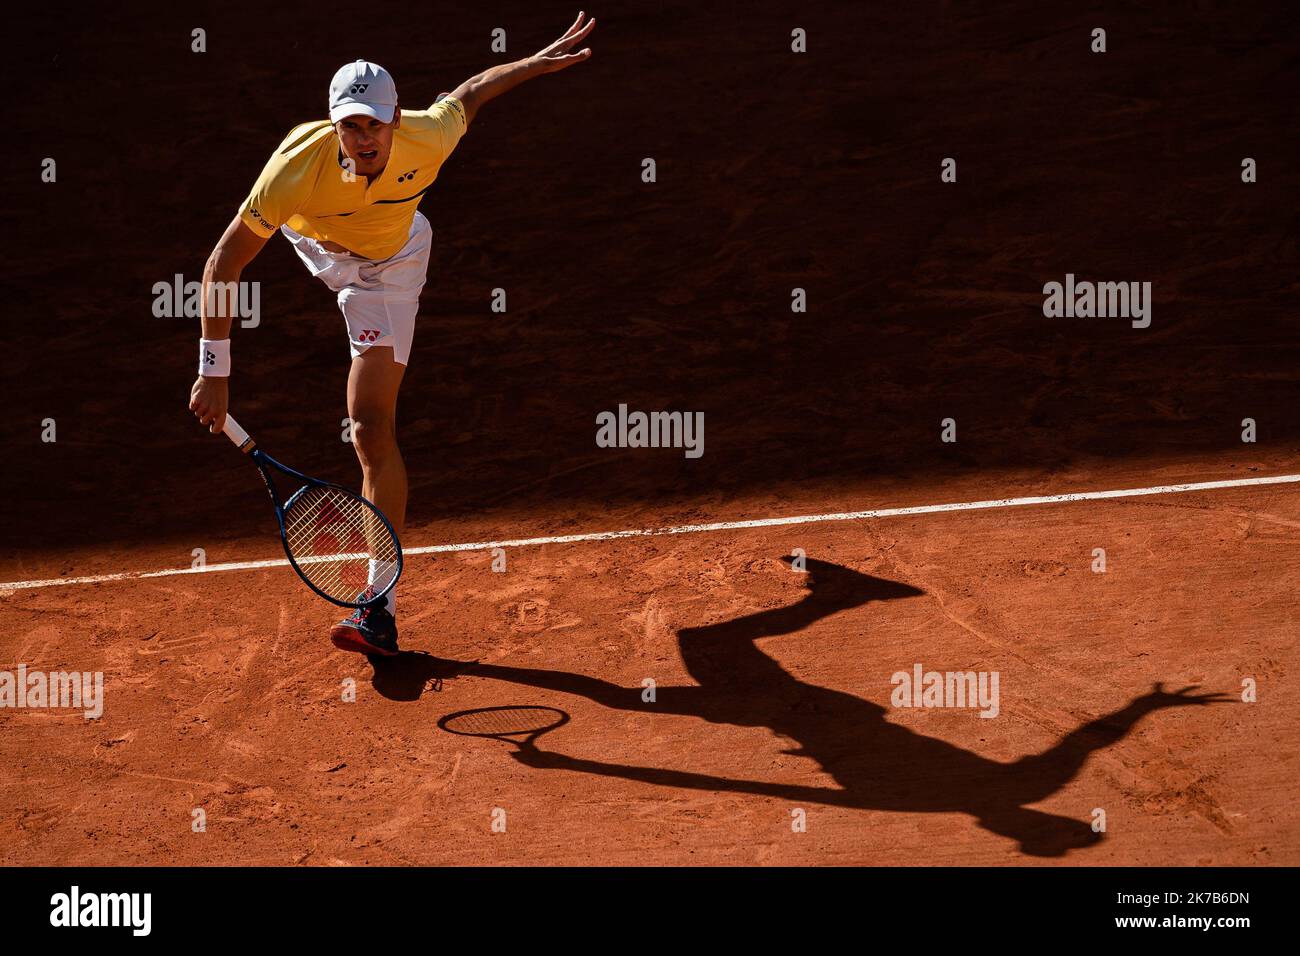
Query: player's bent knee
[(374, 440)]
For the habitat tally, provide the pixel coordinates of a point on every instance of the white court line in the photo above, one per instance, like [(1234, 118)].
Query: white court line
[(689, 529)]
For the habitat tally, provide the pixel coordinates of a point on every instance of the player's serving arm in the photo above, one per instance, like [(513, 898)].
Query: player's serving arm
[(344, 192)]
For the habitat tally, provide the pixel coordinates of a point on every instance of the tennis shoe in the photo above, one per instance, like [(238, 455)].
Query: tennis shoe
[(369, 630)]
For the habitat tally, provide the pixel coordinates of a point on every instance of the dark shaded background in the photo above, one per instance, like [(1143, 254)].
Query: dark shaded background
[(775, 170)]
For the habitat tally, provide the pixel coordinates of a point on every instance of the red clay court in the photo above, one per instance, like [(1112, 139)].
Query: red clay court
[(772, 687)]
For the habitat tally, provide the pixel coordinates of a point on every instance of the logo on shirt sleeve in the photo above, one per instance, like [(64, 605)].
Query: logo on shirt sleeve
[(258, 216)]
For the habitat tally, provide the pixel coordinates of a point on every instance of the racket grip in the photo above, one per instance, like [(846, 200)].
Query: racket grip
[(236, 434)]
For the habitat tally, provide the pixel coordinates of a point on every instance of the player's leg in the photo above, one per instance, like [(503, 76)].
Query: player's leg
[(373, 383), (379, 305), (380, 311)]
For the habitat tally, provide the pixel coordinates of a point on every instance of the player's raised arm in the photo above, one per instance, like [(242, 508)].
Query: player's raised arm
[(210, 396), (490, 84)]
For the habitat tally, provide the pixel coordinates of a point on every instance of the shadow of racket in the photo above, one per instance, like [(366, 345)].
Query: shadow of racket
[(505, 723)]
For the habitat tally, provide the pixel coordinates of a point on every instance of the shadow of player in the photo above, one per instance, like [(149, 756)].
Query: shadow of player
[(407, 676), (878, 765)]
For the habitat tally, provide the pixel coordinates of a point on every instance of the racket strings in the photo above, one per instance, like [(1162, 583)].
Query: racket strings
[(334, 537)]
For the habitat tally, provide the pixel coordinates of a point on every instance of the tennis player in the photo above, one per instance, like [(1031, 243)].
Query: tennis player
[(344, 193)]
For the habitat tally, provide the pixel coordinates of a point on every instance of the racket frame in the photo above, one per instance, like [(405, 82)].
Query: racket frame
[(505, 736), (264, 463)]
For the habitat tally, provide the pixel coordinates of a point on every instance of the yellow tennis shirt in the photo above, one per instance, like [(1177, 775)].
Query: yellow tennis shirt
[(305, 187)]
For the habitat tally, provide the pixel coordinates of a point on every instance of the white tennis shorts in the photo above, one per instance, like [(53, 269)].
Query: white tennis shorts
[(378, 299)]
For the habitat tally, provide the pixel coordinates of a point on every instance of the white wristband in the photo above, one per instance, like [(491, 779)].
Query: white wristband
[(214, 358)]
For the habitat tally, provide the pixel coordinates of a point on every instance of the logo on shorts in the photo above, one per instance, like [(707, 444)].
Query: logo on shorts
[(368, 335), (357, 88)]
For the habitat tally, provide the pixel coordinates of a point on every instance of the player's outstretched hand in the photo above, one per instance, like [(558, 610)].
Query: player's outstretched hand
[(557, 55), (209, 399), (1184, 697)]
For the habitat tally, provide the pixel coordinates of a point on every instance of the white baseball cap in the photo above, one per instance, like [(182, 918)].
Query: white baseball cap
[(363, 88)]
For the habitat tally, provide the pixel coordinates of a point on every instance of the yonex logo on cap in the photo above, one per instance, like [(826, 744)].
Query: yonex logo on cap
[(358, 88)]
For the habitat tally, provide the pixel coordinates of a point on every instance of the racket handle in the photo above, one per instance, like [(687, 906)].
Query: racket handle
[(237, 434)]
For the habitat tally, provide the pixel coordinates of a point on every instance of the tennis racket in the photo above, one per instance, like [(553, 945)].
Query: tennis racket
[(505, 723), (339, 543)]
